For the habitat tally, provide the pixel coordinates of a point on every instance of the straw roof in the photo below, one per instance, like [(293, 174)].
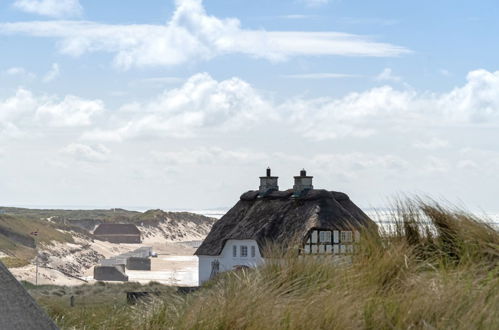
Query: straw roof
[(279, 217), (18, 310)]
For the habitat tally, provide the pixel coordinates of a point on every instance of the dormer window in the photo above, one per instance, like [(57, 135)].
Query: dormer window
[(244, 251), (234, 251)]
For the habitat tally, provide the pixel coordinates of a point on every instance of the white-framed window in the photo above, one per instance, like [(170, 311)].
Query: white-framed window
[(314, 237), (244, 251), (253, 251), (336, 237), (234, 251), (325, 236), (346, 237)]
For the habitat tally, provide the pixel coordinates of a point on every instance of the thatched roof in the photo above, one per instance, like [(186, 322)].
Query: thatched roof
[(116, 229), (279, 217), (17, 309)]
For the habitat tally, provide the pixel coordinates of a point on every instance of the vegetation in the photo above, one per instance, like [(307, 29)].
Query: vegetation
[(435, 268), (16, 239), (13, 262)]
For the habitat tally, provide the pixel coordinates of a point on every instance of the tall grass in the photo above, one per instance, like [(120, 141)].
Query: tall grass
[(435, 268)]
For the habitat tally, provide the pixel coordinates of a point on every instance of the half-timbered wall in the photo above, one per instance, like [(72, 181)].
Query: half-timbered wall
[(319, 241)]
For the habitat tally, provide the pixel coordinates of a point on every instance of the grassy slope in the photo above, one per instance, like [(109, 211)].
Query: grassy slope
[(23, 226), (440, 269)]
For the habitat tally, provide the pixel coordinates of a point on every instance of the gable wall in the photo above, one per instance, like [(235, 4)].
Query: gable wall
[(226, 259)]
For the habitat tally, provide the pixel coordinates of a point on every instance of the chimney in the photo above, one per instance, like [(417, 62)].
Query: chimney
[(268, 182), (302, 183)]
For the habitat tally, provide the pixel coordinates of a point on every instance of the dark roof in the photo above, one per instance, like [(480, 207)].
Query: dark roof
[(280, 218), (116, 229), (18, 310)]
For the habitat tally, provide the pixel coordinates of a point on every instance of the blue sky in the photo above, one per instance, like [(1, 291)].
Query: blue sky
[(183, 104)]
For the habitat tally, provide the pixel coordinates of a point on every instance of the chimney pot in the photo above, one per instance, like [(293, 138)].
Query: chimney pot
[(268, 182), (302, 183)]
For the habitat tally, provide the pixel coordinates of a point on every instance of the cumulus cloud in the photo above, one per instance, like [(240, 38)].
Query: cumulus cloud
[(52, 8), (25, 112), (203, 105), (69, 112), (192, 34), (200, 103), (87, 153)]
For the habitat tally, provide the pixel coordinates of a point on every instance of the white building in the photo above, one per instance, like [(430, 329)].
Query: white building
[(315, 221)]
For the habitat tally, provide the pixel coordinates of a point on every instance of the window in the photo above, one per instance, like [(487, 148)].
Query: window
[(336, 237), (234, 251), (346, 236), (244, 251), (325, 237), (253, 251), (314, 237)]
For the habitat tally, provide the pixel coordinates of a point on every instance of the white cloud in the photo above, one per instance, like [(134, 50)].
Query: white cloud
[(52, 74), (87, 153), (192, 34), (21, 72), (25, 113), (200, 103), (70, 112), (52, 8), (203, 105), (387, 75)]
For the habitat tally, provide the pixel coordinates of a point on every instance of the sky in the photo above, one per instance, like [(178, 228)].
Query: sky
[(183, 104)]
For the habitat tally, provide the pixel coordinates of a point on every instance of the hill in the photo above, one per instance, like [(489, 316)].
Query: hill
[(65, 240)]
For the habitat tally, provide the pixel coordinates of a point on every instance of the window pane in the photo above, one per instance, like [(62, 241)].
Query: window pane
[(327, 236), (321, 236), (307, 249), (343, 248), (314, 248), (329, 248), (336, 248), (244, 251), (314, 236), (234, 251), (322, 249), (336, 237), (253, 251)]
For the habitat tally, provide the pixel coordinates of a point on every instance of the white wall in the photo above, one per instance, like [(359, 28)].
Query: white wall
[(226, 259)]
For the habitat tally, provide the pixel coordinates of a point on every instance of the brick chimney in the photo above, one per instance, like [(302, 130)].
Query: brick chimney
[(302, 183), (268, 182)]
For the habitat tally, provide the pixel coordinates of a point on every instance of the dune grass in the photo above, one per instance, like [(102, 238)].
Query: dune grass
[(435, 268)]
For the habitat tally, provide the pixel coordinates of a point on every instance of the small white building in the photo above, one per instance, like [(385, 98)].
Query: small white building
[(316, 221)]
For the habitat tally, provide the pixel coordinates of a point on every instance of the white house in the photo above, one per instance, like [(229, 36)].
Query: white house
[(316, 221)]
